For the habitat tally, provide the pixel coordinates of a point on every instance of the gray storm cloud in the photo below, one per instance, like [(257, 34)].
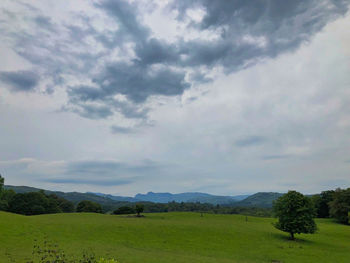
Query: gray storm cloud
[(247, 31)]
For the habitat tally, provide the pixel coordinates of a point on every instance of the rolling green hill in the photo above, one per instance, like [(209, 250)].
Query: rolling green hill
[(172, 237), (264, 200)]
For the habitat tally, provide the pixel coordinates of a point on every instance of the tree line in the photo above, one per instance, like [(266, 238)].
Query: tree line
[(36, 203)]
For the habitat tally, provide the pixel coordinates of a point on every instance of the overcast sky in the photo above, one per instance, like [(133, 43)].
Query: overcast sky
[(224, 97)]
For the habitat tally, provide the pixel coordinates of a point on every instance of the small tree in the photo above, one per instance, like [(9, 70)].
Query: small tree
[(139, 209), (295, 214)]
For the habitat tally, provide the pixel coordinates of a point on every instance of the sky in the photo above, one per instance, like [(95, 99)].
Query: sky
[(223, 97)]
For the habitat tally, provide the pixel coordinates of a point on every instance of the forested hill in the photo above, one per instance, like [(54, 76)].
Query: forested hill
[(256, 200), (263, 199), (74, 197)]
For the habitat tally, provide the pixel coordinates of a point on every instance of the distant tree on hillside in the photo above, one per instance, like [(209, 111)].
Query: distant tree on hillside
[(295, 214), (340, 206), (139, 209), (89, 206)]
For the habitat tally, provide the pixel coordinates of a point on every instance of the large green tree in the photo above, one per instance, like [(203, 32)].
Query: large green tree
[(295, 214)]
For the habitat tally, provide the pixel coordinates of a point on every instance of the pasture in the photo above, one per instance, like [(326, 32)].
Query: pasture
[(172, 237)]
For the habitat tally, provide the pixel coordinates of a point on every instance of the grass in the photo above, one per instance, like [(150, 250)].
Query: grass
[(172, 237)]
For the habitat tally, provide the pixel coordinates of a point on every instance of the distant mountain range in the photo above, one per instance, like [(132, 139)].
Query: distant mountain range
[(263, 199), (191, 197)]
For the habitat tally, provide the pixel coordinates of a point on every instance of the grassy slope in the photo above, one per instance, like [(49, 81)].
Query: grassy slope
[(173, 237)]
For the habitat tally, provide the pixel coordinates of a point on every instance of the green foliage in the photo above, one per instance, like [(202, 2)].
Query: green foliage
[(64, 205), (340, 206), (74, 197), (124, 210), (31, 204), (1, 183), (295, 214), (5, 195), (89, 206), (321, 203), (264, 200), (139, 208), (35, 203)]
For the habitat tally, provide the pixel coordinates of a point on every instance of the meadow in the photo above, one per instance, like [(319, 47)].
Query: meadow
[(172, 237)]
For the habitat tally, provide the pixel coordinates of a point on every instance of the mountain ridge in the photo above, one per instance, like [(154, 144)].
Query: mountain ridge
[(260, 199)]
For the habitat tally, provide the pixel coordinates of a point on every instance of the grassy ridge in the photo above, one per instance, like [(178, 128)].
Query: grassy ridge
[(173, 237)]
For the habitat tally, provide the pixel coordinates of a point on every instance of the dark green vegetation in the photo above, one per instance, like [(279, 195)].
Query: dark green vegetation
[(139, 209), (74, 197), (340, 205), (295, 214), (172, 237), (88, 206), (36, 203), (124, 210), (260, 200)]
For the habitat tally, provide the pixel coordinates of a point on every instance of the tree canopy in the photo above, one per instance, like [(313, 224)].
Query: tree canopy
[(139, 209), (295, 214), (89, 206), (340, 206)]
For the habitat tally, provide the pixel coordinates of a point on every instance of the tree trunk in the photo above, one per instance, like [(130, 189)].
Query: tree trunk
[(292, 236)]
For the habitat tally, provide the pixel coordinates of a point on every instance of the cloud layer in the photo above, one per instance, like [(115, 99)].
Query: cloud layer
[(226, 97), (116, 68)]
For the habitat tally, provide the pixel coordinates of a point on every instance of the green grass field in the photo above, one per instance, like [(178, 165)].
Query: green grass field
[(173, 237)]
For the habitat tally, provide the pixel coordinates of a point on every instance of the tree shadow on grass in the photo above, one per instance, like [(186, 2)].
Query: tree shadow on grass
[(297, 240)]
